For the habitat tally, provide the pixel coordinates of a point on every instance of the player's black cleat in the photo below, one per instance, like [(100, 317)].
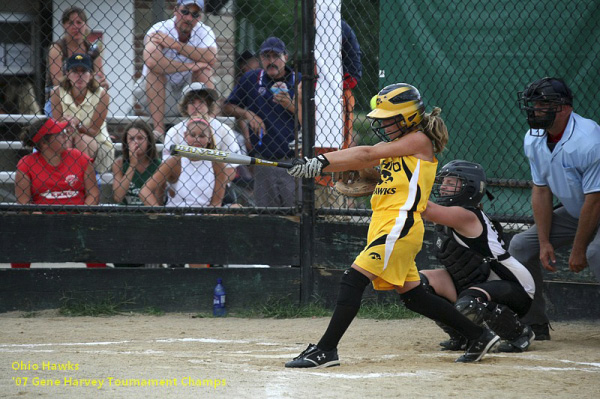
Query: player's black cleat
[(313, 357), (454, 344), (520, 344), (542, 331), (476, 349)]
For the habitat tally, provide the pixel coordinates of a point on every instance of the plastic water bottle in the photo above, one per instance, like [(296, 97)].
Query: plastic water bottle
[(219, 299)]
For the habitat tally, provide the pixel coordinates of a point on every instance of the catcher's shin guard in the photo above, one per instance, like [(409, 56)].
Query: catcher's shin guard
[(505, 322), (475, 309), (500, 318)]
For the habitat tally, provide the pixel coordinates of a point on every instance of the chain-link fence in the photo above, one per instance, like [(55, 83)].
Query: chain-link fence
[(130, 78)]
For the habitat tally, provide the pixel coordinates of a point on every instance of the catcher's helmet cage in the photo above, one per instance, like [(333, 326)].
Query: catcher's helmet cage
[(472, 184), (542, 99), (399, 104)]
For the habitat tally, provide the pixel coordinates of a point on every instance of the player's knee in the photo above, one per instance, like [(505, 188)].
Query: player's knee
[(352, 286), (354, 278), (415, 299), (593, 258), (472, 304), (593, 254), (520, 250), (425, 284)]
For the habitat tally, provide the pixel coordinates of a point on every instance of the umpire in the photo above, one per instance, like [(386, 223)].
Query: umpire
[(563, 149)]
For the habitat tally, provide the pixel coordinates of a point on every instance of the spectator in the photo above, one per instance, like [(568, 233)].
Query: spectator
[(325, 196), (199, 100), (245, 62), (138, 163), (563, 149), (177, 52), (480, 277), (192, 183), (74, 22), (352, 73), (81, 101), (54, 175), (264, 100)]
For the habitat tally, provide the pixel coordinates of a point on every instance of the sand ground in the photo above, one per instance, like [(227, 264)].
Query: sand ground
[(59, 357)]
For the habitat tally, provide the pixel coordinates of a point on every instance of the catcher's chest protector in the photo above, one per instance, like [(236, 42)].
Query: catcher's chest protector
[(465, 266)]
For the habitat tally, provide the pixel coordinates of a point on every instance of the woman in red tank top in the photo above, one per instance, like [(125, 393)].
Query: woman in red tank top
[(55, 174)]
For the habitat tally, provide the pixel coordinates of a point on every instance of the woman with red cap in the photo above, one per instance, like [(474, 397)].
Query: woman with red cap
[(55, 174)]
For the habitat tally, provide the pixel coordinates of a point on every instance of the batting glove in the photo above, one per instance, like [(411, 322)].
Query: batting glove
[(308, 167)]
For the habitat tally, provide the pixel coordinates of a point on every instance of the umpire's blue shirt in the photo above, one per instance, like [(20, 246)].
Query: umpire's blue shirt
[(253, 93), (573, 168)]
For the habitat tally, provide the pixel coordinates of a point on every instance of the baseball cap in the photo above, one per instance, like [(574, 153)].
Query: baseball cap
[(245, 56), (561, 88), (79, 60), (51, 126), (273, 44), (199, 86), (550, 86), (199, 3)]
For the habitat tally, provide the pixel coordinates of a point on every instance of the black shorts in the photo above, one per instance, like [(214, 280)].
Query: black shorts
[(507, 293)]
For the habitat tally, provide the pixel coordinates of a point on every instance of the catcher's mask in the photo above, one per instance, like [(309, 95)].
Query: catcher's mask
[(541, 100), (460, 183), (399, 104)]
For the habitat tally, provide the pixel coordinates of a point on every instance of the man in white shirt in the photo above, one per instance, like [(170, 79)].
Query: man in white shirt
[(200, 100), (177, 52)]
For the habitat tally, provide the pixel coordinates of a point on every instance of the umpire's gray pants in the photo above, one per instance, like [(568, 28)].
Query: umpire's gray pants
[(275, 187), (525, 247)]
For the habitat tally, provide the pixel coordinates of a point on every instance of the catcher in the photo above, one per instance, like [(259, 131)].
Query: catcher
[(411, 138), (480, 277)]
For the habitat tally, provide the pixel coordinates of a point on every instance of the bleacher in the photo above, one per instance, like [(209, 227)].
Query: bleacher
[(11, 149)]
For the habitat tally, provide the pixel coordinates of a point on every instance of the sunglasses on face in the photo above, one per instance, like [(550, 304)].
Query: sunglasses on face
[(185, 11)]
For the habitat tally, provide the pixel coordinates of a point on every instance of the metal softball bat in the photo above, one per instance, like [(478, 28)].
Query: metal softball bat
[(207, 154)]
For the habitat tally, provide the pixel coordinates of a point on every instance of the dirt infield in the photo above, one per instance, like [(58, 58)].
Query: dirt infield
[(179, 356)]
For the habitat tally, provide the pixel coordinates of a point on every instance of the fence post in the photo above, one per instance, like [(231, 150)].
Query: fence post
[(307, 227)]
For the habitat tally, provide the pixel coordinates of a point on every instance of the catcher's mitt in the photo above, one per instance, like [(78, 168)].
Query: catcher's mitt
[(356, 183)]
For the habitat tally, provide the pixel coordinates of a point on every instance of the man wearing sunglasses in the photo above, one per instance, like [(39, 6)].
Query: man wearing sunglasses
[(177, 52)]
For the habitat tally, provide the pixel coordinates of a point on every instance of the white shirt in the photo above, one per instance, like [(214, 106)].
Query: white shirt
[(224, 138), (195, 185), (572, 170), (202, 37)]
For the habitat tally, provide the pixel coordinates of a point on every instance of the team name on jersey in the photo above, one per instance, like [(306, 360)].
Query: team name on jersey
[(384, 191)]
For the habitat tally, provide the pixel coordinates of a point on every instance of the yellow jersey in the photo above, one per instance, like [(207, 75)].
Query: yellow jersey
[(396, 231), (405, 184)]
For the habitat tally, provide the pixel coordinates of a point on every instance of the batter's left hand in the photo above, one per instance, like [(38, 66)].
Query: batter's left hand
[(308, 167)]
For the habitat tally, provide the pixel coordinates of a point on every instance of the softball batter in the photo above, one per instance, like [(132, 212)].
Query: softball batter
[(408, 165)]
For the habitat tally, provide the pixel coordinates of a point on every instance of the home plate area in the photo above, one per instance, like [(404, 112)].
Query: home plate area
[(176, 355)]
